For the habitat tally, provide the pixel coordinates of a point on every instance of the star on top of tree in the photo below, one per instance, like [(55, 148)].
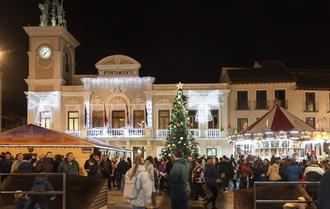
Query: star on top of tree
[(180, 85)]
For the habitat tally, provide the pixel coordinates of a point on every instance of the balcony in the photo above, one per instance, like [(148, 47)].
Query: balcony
[(215, 133), (311, 107), (261, 105), (209, 133), (73, 132), (242, 105), (115, 132)]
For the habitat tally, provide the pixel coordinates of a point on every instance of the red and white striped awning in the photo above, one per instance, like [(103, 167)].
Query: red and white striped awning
[(278, 119)]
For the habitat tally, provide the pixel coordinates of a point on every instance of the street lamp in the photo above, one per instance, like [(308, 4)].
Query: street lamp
[(1, 72)]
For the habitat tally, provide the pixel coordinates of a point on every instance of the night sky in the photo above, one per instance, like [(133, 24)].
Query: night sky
[(179, 40)]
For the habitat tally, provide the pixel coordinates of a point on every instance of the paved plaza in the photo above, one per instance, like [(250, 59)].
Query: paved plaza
[(225, 201)]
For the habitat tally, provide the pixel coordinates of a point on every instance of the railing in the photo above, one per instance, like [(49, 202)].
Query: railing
[(161, 133), (261, 105), (215, 133), (196, 133), (311, 107), (115, 132), (242, 105), (73, 132), (256, 201), (63, 192)]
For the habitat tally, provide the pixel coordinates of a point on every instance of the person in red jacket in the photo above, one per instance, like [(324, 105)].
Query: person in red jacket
[(245, 172)]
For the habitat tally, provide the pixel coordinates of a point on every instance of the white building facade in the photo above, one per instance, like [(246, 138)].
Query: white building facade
[(116, 106), (119, 107)]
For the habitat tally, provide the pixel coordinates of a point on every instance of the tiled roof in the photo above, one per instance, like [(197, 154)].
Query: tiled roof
[(275, 72)]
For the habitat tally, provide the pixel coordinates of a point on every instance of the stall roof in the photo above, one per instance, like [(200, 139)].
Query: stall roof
[(278, 119), (33, 135)]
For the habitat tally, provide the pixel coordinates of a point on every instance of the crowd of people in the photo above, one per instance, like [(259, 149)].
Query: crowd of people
[(200, 178)]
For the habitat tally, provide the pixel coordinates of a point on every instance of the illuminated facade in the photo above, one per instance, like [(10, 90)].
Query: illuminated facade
[(116, 106)]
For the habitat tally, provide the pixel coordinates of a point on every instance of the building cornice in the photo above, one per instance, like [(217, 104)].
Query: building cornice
[(50, 31)]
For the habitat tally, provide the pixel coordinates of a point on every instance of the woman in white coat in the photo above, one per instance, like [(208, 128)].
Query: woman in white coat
[(150, 168), (143, 184)]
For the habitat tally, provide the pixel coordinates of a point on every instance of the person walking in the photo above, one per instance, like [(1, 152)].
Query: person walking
[(211, 176), (293, 171), (17, 162), (106, 169), (198, 179), (69, 166), (178, 180), (274, 171), (244, 174), (324, 191), (138, 180), (150, 168), (120, 171)]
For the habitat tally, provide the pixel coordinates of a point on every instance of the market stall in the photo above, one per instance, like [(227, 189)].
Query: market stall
[(35, 140), (278, 133)]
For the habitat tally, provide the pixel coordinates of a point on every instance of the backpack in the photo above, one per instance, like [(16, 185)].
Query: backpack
[(130, 189)]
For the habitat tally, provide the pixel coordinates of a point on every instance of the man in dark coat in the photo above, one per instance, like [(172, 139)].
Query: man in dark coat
[(324, 191), (106, 169), (121, 170), (179, 181)]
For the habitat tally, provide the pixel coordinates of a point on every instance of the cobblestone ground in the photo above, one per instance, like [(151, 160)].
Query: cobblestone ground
[(225, 201)]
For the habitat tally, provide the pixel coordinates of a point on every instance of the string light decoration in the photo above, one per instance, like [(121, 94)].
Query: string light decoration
[(43, 102), (116, 82), (202, 102)]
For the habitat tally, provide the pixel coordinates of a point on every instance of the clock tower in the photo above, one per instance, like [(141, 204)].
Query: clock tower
[(51, 65), (51, 57)]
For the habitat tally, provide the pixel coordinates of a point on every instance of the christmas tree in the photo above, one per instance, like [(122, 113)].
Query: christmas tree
[(180, 136)]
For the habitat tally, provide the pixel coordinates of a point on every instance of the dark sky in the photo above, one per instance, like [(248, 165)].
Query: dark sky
[(174, 40)]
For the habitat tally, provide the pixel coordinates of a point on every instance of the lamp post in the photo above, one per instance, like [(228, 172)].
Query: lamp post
[(1, 72)]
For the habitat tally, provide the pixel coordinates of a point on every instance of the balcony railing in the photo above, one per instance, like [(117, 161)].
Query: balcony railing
[(311, 107), (196, 133), (161, 133), (73, 132), (115, 132), (282, 103), (215, 133), (242, 105), (261, 105)]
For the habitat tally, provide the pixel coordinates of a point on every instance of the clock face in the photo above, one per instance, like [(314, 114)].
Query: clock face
[(45, 52)]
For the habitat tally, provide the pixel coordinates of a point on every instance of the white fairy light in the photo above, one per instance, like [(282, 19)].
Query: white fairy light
[(116, 82), (202, 101), (43, 102), (149, 113)]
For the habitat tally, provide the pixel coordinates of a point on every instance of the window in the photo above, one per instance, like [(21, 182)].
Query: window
[(163, 119), (280, 98), (211, 152), (118, 119), (261, 100), (242, 100), (310, 102), (97, 118), (138, 118), (214, 123), (310, 121), (192, 119), (73, 120), (45, 119), (242, 124)]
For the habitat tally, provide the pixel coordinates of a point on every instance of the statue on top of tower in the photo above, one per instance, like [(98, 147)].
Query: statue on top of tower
[(52, 13)]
